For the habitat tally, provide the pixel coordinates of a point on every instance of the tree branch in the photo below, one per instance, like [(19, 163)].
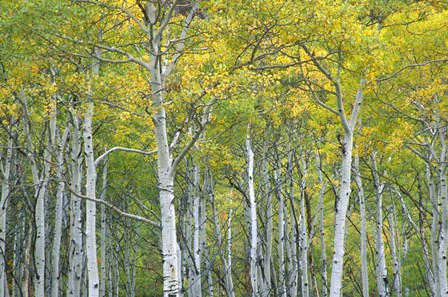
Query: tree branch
[(196, 136), (117, 210), (411, 66), (119, 148)]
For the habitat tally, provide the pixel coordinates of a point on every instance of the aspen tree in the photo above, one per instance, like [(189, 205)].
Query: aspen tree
[(5, 170), (41, 181)]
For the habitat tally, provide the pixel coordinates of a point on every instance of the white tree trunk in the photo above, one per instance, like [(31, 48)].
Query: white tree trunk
[(304, 230), (60, 175), (166, 188), (342, 201), (104, 234), (292, 239), (5, 169), (281, 230), (442, 197), (362, 210), (395, 251), (41, 185), (381, 269), (253, 216), (266, 287), (226, 263), (323, 248), (76, 253), (90, 227)]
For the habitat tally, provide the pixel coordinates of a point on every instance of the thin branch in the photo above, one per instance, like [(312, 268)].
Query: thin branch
[(124, 10), (181, 42), (166, 21), (411, 66), (318, 64), (196, 136), (321, 103), (130, 57), (116, 209), (119, 148)]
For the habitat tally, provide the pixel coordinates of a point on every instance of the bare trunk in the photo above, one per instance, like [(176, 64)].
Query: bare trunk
[(381, 269), (90, 228), (76, 252), (5, 169), (268, 230), (226, 263), (253, 217), (281, 230), (362, 210), (342, 201), (41, 185), (104, 234), (395, 251), (55, 253), (304, 267), (323, 247)]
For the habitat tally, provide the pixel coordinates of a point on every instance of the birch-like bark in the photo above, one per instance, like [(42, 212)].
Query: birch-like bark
[(442, 198), (253, 216), (281, 230), (304, 267), (362, 210), (381, 269), (226, 263), (90, 227), (5, 169), (197, 252), (343, 198), (171, 281), (192, 250), (104, 233), (268, 230), (55, 253), (323, 247), (41, 186), (292, 239), (76, 252), (434, 231), (395, 251)]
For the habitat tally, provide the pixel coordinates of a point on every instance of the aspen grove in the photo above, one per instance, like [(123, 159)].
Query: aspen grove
[(211, 148)]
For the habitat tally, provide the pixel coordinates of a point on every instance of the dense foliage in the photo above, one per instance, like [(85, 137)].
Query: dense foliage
[(223, 148)]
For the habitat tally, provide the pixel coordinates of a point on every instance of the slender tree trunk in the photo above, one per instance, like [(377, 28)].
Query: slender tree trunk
[(281, 230), (304, 230), (91, 246), (5, 169), (268, 230), (41, 185), (292, 239), (342, 201), (76, 253), (381, 269), (196, 289), (104, 233), (55, 253), (362, 210), (253, 216), (323, 248), (395, 251), (27, 256), (226, 263), (442, 197), (340, 217)]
